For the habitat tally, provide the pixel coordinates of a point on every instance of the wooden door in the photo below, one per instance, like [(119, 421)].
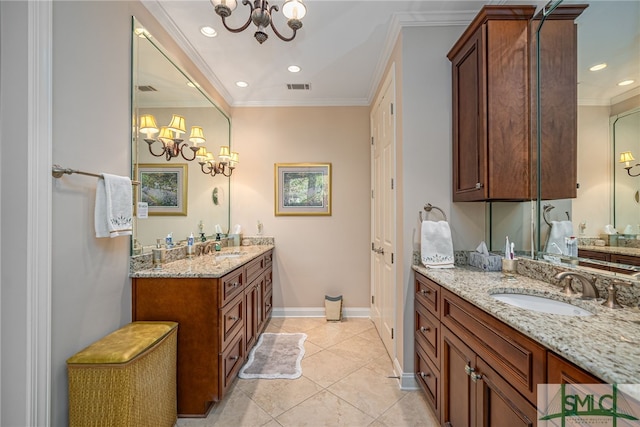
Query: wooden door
[(469, 124), (458, 391), (383, 221)]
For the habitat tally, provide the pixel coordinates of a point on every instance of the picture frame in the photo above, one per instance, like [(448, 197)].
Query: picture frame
[(163, 187), (302, 189)]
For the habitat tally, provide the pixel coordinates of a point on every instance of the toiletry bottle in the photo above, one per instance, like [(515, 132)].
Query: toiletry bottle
[(190, 245), (168, 242)]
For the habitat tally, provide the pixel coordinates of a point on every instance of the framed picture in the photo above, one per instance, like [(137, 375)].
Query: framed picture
[(163, 187), (303, 189)]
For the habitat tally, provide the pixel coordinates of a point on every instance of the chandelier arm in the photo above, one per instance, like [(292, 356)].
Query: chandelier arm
[(192, 150), (280, 36), (629, 171), (237, 30), (164, 148)]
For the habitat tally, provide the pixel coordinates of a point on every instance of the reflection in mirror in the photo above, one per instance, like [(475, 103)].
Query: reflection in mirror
[(605, 207), (162, 90)]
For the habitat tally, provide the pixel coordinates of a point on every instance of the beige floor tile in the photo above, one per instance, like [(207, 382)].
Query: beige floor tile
[(368, 391), (411, 410), (236, 409), (324, 409), (382, 365), (355, 325), (277, 396), (302, 324), (325, 368), (359, 349), (370, 334), (310, 348), (327, 335)]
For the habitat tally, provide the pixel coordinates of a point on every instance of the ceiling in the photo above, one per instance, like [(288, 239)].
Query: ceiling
[(344, 45)]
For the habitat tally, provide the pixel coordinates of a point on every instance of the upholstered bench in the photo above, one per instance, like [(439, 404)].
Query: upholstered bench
[(127, 378)]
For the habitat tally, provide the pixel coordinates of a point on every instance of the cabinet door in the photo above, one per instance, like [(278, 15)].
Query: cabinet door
[(252, 309), (498, 404), (469, 121), (458, 391), (560, 371)]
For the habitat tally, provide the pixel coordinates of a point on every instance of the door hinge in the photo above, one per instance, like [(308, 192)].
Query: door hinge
[(392, 183), (391, 333), (372, 195), (371, 140), (391, 105), (372, 246), (373, 298), (391, 257)]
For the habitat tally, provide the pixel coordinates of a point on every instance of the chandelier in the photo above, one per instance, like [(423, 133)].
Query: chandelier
[(260, 15), (225, 166), (626, 157), (169, 137)]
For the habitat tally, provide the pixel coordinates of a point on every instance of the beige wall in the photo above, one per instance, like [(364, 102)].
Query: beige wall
[(315, 255)]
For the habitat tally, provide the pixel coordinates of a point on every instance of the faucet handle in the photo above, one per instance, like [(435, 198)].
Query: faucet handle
[(568, 287), (612, 293)]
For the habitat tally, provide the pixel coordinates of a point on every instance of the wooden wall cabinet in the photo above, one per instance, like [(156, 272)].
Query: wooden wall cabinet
[(493, 109), (630, 260), (219, 320), (474, 369)]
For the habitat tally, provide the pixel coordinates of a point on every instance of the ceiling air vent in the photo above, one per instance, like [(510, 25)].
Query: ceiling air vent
[(299, 86), (147, 88)]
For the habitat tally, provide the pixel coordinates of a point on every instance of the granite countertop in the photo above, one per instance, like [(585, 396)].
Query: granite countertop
[(619, 250), (214, 265), (606, 344)]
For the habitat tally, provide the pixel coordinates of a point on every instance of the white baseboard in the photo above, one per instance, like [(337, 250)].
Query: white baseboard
[(318, 312), (407, 380)]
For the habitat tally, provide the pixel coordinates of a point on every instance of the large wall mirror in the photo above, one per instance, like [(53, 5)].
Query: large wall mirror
[(182, 199), (607, 206)]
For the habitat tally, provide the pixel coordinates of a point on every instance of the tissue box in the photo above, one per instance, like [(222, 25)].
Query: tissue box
[(489, 262)]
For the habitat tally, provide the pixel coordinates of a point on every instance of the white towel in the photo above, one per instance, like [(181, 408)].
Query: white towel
[(436, 245), (556, 243), (114, 206)]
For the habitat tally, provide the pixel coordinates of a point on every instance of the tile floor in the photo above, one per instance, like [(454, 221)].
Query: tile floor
[(345, 382)]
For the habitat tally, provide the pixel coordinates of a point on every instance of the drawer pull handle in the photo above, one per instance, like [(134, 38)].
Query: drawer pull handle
[(424, 375), (424, 329), (475, 377), (234, 318), (468, 369), (425, 291), (234, 358)]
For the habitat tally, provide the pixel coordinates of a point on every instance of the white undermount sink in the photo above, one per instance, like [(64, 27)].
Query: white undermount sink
[(541, 304), (225, 255)]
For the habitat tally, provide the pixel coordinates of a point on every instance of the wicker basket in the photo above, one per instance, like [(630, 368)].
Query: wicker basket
[(127, 378)]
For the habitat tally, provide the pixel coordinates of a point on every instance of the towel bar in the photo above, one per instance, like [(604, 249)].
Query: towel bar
[(58, 171), (428, 207)]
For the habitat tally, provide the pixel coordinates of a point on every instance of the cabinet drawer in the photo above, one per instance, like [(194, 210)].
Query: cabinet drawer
[(427, 333), (231, 285), (268, 280), (427, 294), (518, 359), (268, 305), (230, 361), (231, 320), (268, 259), (429, 379), (254, 269)]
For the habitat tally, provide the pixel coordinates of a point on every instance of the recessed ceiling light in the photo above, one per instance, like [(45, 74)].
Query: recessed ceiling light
[(208, 31), (625, 82), (293, 68), (598, 67), (242, 84)]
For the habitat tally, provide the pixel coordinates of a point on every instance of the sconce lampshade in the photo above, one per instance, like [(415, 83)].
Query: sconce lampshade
[(626, 157), (210, 157), (201, 154), (294, 9), (148, 125), (233, 161), (224, 153), (197, 135), (178, 125), (165, 135)]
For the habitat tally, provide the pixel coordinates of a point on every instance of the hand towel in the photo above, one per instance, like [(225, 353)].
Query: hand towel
[(114, 206), (556, 243), (436, 245)]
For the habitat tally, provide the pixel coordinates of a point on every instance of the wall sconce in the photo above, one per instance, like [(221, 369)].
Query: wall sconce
[(225, 166), (169, 137), (626, 157)]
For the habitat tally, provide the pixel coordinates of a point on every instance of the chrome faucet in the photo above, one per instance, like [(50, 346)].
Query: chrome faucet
[(589, 290)]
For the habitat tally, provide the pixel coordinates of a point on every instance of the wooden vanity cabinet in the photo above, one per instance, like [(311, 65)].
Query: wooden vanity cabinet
[(474, 369), (493, 89), (219, 320)]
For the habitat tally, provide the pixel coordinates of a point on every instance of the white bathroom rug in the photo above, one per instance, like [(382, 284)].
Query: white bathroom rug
[(275, 356)]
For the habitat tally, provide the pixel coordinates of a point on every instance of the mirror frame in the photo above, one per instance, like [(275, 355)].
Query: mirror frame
[(135, 39)]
